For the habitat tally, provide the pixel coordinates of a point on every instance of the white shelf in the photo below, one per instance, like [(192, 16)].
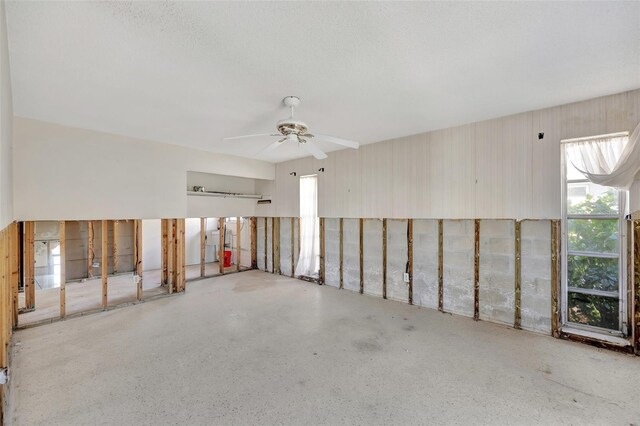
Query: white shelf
[(223, 195)]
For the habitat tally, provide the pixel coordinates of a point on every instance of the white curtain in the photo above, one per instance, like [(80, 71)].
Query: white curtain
[(309, 260), (608, 161)]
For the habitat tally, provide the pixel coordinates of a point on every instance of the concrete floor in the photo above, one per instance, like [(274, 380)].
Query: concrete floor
[(87, 295), (255, 348), (83, 296)]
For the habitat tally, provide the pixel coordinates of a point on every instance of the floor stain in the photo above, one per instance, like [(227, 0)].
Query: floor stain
[(367, 345)]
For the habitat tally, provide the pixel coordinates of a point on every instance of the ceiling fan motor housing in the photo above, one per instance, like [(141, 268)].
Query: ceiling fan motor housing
[(296, 131), (290, 125)]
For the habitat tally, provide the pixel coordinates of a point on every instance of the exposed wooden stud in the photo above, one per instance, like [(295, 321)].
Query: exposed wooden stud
[(105, 259), (254, 242), (203, 240), (322, 251), (636, 285), (384, 258), (361, 259), (5, 330), (238, 242), (293, 247), (176, 256), (275, 243), (266, 267), (440, 265), (164, 225), (410, 256), (630, 278), (63, 268), (183, 255), (180, 255), (171, 255), (221, 247), (137, 225), (21, 253), (517, 321), (91, 255), (14, 248), (6, 290), (6, 293), (29, 266), (341, 253), (476, 274), (555, 278), (273, 251), (135, 242), (115, 246)]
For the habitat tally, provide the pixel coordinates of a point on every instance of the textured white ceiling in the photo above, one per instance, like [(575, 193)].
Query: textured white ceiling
[(190, 73)]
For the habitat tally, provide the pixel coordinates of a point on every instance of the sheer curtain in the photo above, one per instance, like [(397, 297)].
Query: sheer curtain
[(309, 261), (609, 160)]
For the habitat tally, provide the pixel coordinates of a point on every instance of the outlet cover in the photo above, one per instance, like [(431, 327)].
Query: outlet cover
[(406, 277)]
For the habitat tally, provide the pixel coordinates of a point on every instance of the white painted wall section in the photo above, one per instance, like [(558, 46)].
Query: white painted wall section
[(6, 127), (69, 173)]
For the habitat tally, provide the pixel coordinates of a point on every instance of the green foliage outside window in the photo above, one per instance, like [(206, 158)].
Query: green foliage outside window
[(594, 235)]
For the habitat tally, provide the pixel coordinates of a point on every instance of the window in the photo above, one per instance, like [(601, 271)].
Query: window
[(309, 260), (593, 255)]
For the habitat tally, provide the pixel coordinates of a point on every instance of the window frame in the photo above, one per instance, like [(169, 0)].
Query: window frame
[(623, 328)]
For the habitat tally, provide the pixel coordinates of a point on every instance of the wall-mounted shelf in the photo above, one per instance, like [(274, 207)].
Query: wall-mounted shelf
[(223, 195)]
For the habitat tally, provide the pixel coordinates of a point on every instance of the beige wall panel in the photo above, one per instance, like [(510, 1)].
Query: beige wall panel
[(546, 163), (582, 119), (452, 172), (348, 184), (376, 169), (287, 189), (326, 187), (410, 177)]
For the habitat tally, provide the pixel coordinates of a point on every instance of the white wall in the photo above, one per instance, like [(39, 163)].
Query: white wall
[(192, 241), (204, 206), (207, 206), (6, 118), (266, 188), (151, 244), (69, 173), (491, 169), (216, 182)]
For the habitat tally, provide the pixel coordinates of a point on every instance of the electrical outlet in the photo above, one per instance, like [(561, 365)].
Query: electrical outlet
[(406, 277)]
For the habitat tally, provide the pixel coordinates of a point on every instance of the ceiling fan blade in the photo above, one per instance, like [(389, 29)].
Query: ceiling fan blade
[(314, 150), (307, 135), (339, 141), (251, 136), (272, 146)]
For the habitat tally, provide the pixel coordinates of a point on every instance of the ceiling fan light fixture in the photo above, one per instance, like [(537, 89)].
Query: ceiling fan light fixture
[(289, 125), (293, 130)]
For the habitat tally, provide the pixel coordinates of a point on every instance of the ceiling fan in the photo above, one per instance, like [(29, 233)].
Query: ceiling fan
[(292, 130)]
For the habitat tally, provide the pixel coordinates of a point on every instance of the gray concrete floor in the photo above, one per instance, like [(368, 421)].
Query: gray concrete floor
[(255, 348)]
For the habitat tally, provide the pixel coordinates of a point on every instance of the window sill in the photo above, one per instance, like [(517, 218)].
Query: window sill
[(596, 338)]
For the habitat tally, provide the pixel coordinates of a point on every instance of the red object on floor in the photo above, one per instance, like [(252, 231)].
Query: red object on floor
[(227, 258)]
